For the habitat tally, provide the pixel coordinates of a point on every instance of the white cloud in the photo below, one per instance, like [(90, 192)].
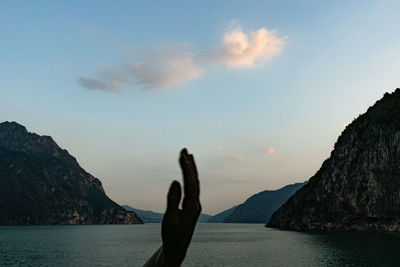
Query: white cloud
[(270, 150), (236, 157), (239, 49)]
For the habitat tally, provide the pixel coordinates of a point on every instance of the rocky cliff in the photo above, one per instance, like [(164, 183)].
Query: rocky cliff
[(40, 183), (358, 186), (259, 207)]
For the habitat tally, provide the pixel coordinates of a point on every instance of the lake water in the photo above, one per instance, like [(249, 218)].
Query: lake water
[(212, 245)]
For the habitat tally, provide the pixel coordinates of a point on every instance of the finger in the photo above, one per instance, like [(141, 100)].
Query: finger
[(173, 199), (191, 203), (190, 180), (196, 177), (194, 166)]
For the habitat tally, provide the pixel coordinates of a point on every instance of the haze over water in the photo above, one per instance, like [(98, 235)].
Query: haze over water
[(212, 245)]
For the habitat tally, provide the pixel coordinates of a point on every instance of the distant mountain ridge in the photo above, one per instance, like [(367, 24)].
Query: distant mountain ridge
[(220, 217), (358, 187), (40, 183), (260, 207), (149, 216)]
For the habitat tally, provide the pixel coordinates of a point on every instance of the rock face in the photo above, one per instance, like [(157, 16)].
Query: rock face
[(40, 183), (358, 187), (259, 207)]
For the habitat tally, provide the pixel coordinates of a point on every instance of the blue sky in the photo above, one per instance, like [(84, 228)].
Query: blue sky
[(258, 90)]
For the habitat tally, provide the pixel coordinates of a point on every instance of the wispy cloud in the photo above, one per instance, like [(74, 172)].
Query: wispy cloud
[(162, 68), (170, 66), (219, 147), (127, 50), (235, 157), (93, 84), (175, 64)]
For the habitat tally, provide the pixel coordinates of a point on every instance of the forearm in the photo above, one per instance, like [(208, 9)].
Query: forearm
[(156, 260), (159, 259)]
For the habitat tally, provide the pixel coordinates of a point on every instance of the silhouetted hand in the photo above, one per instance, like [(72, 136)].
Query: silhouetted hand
[(178, 224)]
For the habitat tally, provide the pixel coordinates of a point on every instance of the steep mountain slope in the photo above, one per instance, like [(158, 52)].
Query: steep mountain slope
[(259, 207), (40, 183), (220, 217), (358, 186)]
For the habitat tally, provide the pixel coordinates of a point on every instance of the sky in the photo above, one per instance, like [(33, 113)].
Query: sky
[(258, 91)]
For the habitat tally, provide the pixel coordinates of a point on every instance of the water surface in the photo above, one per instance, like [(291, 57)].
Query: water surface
[(212, 245)]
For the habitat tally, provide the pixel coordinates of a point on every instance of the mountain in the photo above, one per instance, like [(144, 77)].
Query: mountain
[(40, 183), (259, 207), (220, 217), (203, 218), (149, 216), (358, 186)]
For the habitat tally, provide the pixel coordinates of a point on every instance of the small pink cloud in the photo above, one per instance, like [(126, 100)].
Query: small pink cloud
[(235, 157), (270, 151), (219, 147)]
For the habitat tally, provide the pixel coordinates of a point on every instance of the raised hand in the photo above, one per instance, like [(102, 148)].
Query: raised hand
[(178, 224)]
